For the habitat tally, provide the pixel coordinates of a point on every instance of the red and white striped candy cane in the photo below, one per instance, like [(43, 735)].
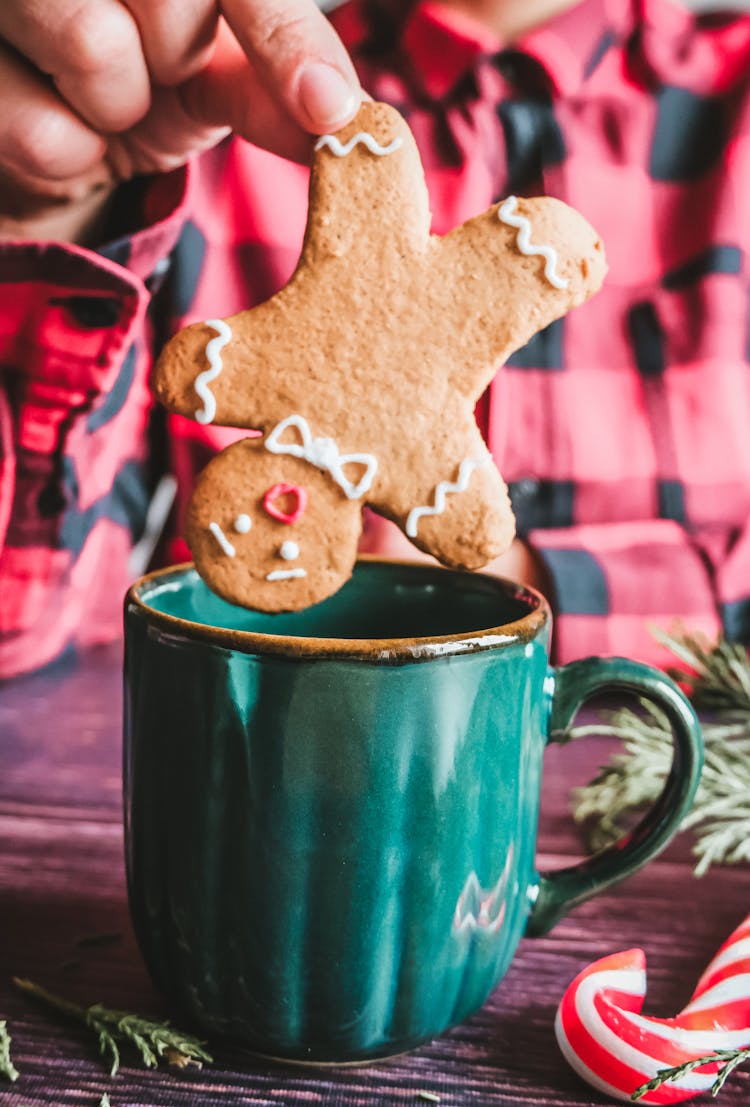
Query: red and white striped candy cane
[(606, 1039)]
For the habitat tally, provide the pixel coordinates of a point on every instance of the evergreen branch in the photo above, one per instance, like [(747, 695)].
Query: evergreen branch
[(154, 1040), (718, 681), (720, 675), (7, 1068), (729, 1059)]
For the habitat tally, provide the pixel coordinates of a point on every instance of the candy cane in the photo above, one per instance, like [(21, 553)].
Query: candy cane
[(604, 1037)]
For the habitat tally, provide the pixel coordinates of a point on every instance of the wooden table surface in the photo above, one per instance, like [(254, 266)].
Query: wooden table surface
[(62, 884)]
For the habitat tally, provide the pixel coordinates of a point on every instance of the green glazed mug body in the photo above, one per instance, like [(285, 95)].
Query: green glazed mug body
[(331, 815)]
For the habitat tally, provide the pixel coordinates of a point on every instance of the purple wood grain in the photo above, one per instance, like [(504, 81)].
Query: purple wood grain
[(62, 878)]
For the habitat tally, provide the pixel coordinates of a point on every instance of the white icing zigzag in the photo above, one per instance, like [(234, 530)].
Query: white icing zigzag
[(224, 333), (507, 214), (465, 470), (340, 150)]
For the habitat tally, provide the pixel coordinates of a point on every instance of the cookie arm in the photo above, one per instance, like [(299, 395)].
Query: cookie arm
[(224, 371), (515, 268)]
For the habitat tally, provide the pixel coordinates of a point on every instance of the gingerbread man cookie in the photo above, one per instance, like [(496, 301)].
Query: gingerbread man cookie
[(363, 372)]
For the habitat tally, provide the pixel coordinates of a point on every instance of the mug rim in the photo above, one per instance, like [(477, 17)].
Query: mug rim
[(392, 650)]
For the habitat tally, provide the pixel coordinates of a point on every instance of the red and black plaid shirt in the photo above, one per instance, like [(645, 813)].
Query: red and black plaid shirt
[(623, 429)]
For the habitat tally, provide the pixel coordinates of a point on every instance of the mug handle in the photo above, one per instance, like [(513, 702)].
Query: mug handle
[(557, 892)]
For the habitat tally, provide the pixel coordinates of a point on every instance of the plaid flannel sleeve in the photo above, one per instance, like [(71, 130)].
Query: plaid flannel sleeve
[(610, 583), (75, 477)]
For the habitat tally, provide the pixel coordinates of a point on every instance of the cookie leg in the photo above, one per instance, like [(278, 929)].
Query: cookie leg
[(461, 515)]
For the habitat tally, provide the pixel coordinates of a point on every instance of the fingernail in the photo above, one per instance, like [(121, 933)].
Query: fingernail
[(326, 95)]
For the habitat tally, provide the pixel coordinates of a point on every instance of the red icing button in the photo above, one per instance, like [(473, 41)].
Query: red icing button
[(278, 492)]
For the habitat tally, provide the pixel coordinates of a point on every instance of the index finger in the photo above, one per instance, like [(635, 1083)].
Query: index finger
[(300, 59)]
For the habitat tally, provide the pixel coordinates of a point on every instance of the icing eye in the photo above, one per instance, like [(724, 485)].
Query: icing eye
[(289, 551), (243, 523), (291, 496)]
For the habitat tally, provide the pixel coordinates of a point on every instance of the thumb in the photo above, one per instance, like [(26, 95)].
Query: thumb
[(229, 93), (299, 59)]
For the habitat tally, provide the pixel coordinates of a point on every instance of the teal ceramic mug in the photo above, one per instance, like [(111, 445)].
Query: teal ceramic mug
[(331, 815)]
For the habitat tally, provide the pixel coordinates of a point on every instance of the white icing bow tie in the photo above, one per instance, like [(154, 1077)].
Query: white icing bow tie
[(324, 454)]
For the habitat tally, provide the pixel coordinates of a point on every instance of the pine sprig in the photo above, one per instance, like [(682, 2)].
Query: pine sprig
[(718, 676), (154, 1040), (729, 1059), (718, 682), (7, 1068)]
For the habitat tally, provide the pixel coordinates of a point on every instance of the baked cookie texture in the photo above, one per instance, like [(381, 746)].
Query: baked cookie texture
[(363, 372)]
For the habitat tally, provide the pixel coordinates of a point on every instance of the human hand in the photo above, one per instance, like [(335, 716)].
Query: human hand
[(97, 91)]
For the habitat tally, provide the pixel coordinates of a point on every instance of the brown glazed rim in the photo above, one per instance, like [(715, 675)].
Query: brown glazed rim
[(390, 650)]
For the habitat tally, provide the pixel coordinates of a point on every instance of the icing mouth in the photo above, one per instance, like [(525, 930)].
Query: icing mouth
[(285, 574)]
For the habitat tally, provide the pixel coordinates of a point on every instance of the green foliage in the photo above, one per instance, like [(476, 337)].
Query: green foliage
[(718, 682), (7, 1068), (155, 1041), (729, 1059)]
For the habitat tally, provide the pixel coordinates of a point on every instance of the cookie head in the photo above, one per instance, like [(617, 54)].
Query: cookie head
[(271, 532)]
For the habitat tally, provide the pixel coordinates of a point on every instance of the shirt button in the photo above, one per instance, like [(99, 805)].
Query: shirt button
[(158, 273), (161, 267), (526, 488)]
